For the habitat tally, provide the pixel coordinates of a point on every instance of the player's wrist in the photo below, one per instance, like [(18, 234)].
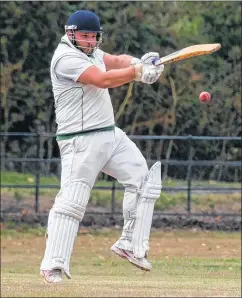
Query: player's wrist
[(138, 72)]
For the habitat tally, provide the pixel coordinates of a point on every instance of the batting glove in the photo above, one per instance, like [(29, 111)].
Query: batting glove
[(152, 74), (148, 73), (149, 57)]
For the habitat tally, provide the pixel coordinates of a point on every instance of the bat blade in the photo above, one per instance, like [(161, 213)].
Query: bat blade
[(189, 52)]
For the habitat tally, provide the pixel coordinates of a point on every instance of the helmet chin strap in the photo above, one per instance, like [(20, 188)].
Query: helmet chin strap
[(90, 49)]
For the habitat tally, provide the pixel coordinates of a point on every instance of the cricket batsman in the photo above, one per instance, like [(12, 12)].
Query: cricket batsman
[(90, 143)]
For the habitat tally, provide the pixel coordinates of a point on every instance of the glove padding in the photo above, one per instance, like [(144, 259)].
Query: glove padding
[(151, 74), (146, 58), (149, 57), (147, 73)]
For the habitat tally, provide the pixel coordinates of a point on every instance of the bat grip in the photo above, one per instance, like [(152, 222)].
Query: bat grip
[(155, 60)]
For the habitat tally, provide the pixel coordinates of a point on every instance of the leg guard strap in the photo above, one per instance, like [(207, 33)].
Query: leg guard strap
[(129, 214)]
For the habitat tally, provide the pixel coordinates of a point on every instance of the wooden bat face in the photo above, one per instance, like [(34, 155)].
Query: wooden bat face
[(189, 52)]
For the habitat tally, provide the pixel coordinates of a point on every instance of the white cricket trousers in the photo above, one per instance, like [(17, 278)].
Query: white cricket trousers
[(112, 152)]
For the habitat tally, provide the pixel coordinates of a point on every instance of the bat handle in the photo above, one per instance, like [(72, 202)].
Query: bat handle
[(155, 60)]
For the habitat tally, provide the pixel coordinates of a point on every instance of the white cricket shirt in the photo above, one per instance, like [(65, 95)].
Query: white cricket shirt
[(78, 107)]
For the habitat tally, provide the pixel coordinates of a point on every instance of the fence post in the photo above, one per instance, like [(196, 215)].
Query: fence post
[(113, 197), (37, 175), (189, 169)]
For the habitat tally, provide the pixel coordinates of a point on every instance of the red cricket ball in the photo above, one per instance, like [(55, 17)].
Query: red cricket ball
[(204, 97)]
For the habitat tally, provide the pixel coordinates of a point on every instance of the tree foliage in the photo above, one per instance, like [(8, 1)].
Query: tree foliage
[(30, 32)]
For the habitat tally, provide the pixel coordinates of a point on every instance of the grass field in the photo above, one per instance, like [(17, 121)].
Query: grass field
[(186, 263), (8, 177), (230, 202)]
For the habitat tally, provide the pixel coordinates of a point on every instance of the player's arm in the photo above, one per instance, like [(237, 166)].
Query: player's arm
[(118, 61), (110, 79), (122, 61), (81, 70)]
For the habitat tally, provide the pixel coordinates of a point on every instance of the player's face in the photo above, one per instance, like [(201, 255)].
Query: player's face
[(87, 41)]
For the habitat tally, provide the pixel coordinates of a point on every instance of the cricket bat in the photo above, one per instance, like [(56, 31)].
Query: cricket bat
[(189, 52)]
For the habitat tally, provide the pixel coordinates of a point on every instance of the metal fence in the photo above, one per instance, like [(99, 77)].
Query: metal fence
[(153, 149)]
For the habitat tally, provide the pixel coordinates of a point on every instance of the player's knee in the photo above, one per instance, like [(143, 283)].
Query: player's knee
[(144, 170), (72, 200), (140, 173)]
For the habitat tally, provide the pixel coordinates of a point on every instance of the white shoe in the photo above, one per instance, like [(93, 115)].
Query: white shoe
[(141, 263), (52, 276)]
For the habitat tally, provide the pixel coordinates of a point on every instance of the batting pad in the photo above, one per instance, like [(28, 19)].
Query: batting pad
[(149, 194), (63, 224)]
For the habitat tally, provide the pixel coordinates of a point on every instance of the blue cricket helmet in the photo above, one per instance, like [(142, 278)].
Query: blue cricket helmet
[(86, 21)]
